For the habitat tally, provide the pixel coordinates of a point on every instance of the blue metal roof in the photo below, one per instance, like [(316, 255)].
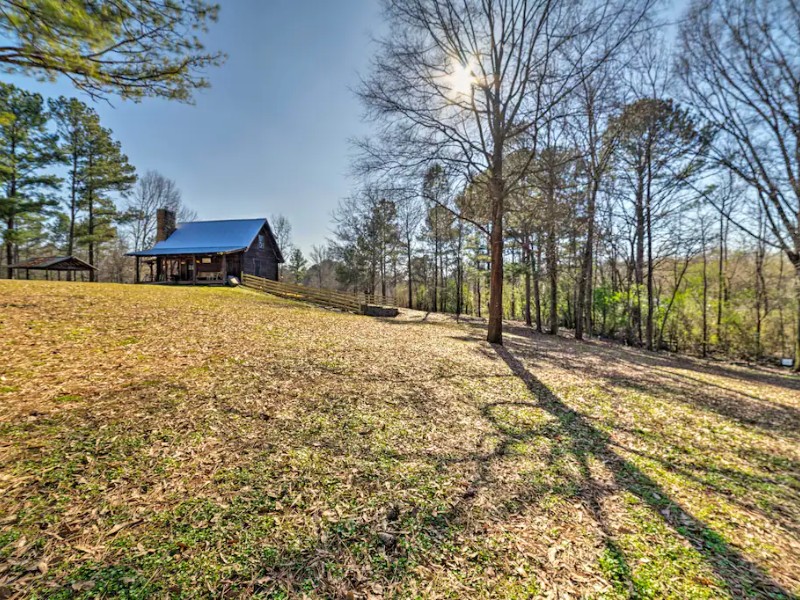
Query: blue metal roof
[(207, 237)]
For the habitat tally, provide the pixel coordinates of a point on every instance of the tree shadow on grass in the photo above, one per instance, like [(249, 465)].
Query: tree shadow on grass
[(742, 577), (603, 361), (753, 374), (744, 409), (705, 476)]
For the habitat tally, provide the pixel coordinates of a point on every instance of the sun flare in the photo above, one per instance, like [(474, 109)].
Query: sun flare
[(460, 80)]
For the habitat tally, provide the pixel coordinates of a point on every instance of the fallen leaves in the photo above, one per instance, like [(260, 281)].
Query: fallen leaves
[(222, 442)]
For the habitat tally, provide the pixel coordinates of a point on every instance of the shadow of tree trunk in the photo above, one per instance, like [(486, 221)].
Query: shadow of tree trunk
[(743, 578)]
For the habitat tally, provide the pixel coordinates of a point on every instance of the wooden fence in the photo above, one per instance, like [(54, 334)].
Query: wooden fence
[(350, 302)]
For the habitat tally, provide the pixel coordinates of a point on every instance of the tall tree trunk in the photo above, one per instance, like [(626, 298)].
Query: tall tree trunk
[(584, 297), (762, 300), (638, 267), (442, 283), (589, 305), (10, 222), (552, 258), (91, 235), (649, 233), (704, 347), (478, 289), (797, 315), (73, 208), (382, 269), (552, 274), (721, 283), (9, 247), (537, 294), (497, 191), (757, 336), (459, 270), (435, 265), (527, 263), (512, 292), (408, 271)]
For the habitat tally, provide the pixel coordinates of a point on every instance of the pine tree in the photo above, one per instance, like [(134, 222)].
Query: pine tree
[(106, 170), (134, 48), (658, 152), (26, 150), (297, 265), (70, 117)]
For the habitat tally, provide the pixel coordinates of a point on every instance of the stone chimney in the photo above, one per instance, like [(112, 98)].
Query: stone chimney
[(165, 224)]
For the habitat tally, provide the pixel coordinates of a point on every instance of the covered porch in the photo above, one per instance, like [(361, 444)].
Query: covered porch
[(188, 269), (56, 264)]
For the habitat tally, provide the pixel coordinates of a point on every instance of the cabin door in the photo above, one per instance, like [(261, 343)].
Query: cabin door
[(187, 270), (234, 265)]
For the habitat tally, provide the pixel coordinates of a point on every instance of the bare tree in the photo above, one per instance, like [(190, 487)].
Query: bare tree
[(724, 201), (282, 230), (464, 82), (153, 191), (740, 63), (319, 254)]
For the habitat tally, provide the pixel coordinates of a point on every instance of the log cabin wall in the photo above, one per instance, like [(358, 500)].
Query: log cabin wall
[(260, 259)]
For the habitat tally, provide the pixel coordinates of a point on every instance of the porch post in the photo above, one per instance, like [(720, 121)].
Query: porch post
[(136, 278), (224, 268), (194, 269)]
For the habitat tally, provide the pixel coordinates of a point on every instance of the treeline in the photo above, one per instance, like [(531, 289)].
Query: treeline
[(62, 174), (564, 165), (68, 188), (707, 289)]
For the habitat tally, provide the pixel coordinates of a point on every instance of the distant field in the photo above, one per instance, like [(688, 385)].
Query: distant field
[(180, 442)]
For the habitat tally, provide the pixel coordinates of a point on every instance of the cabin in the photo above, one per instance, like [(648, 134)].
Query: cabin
[(208, 252)]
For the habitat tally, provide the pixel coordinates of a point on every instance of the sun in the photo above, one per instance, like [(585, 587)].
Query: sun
[(460, 79)]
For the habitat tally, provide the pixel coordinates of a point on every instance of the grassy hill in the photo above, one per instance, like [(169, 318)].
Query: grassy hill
[(175, 442)]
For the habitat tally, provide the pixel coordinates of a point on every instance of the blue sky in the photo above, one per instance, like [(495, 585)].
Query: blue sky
[(271, 135)]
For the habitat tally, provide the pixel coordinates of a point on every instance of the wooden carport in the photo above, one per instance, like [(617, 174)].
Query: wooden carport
[(58, 264)]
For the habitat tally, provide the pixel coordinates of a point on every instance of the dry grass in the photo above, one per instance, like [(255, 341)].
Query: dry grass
[(175, 442)]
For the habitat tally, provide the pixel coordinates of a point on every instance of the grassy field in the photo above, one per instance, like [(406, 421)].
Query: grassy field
[(177, 442)]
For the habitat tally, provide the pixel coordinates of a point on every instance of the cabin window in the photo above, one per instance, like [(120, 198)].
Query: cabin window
[(261, 241), (206, 261)]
